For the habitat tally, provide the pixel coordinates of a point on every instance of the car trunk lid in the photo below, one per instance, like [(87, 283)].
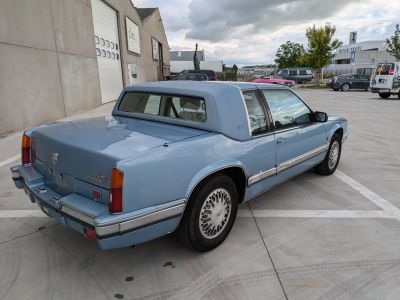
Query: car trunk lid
[(88, 149)]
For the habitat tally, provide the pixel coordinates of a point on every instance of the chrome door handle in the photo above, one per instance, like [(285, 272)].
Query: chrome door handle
[(280, 140)]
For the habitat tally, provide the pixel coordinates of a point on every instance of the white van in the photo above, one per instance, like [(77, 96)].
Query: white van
[(386, 80)]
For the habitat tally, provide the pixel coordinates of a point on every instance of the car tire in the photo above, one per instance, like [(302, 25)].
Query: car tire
[(329, 164), (398, 95), (210, 214), (384, 95), (345, 87)]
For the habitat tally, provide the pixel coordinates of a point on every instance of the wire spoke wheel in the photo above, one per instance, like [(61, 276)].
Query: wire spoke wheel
[(333, 155), (215, 213)]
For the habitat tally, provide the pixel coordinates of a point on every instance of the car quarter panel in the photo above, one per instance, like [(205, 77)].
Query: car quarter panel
[(169, 173)]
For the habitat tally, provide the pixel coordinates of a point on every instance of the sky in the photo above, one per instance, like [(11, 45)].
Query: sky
[(247, 32)]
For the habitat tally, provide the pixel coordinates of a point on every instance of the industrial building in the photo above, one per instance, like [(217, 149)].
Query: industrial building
[(361, 57), (183, 60), (59, 58)]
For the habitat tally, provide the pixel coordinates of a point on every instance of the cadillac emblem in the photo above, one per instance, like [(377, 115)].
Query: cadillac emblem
[(54, 157), (97, 176)]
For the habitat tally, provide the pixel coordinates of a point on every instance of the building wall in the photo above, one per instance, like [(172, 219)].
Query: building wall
[(365, 63), (48, 63), (374, 57), (48, 69), (152, 26), (344, 52)]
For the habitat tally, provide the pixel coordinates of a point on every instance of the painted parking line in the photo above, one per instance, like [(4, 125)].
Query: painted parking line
[(22, 213), (370, 195), (338, 214), (9, 160)]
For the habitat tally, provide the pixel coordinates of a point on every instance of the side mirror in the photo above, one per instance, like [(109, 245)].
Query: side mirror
[(320, 116)]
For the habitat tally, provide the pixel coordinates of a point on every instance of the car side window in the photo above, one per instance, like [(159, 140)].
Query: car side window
[(256, 113), (283, 73), (287, 109), (292, 72), (363, 77), (350, 77)]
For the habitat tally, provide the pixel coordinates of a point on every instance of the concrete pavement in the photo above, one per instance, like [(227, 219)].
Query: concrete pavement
[(313, 237)]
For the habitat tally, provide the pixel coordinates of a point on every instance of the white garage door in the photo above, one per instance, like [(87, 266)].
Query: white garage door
[(107, 50)]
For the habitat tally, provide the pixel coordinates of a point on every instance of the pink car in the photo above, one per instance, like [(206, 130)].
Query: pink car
[(273, 79)]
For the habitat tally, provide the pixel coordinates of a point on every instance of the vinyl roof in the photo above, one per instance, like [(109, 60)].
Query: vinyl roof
[(210, 87)]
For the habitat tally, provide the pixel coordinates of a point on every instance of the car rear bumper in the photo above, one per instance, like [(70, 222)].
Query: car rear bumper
[(382, 90), (81, 213)]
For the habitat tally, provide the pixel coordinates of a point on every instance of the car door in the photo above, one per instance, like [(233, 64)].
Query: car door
[(357, 82), (259, 157), (364, 82), (351, 81), (300, 142)]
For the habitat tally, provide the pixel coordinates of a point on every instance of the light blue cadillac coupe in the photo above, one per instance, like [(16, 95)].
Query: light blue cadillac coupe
[(174, 156)]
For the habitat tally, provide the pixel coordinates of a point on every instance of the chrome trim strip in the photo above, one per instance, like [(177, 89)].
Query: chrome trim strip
[(141, 221), (261, 176), (301, 158), (77, 214), (153, 217), (286, 165)]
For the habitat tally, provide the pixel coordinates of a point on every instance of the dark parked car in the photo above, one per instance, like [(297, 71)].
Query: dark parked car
[(210, 73), (192, 76), (349, 81), (299, 75)]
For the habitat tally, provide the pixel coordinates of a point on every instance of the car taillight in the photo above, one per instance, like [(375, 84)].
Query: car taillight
[(26, 149), (91, 234), (213, 78), (391, 72), (115, 200)]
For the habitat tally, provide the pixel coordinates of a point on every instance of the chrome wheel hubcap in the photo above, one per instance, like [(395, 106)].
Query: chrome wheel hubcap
[(215, 213), (333, 155)]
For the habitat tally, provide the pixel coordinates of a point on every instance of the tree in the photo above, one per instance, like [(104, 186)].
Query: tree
[(288, 55), (320, 46), (393, 44)]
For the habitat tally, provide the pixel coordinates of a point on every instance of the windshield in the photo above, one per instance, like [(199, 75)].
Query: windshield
[(170, 106)]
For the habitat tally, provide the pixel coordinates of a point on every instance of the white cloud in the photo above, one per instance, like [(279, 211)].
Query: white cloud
[(249, 32)]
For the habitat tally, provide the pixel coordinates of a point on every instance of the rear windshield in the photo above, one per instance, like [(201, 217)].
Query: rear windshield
[(383, 69), (170, 106)]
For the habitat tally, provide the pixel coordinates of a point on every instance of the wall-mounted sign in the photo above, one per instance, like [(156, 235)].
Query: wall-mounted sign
[(156, 51), (132, 36), (132, 73)]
